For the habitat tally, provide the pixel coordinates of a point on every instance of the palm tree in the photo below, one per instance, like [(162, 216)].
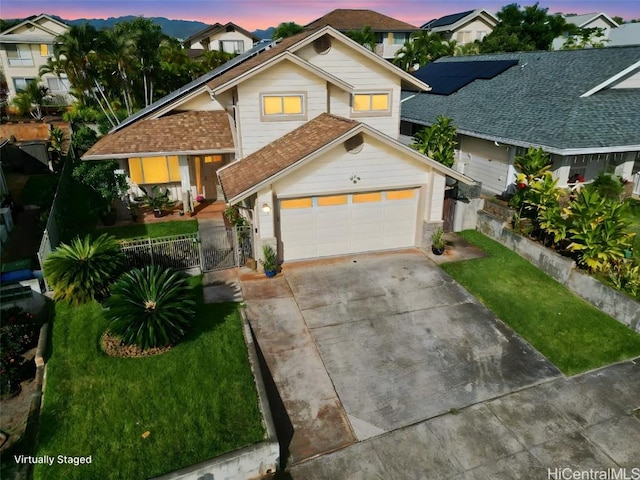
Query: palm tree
[(82, 270), (31, 98), (423, 47), (151, 307), (116, 49), (364, 37)]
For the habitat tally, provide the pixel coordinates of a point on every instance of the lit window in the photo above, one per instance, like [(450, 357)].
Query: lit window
[(371, 102), (46, 50), (282, 105), (148, 170), (296, 203)]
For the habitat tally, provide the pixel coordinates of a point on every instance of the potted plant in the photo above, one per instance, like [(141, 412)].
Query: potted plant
[(269, 261), (437, 242), (134, 211), (156, 200)]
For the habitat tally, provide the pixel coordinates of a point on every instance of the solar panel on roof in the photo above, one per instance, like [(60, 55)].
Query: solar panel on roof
[(446, 78)]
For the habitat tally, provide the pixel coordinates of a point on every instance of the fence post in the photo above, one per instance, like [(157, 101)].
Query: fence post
[(150, 250), (236, 246), (200, 252)]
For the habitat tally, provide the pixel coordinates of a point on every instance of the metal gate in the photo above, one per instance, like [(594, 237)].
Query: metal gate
[(225, 247), (449, 210)]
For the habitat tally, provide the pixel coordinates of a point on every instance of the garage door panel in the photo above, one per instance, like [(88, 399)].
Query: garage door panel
[(367, 222)]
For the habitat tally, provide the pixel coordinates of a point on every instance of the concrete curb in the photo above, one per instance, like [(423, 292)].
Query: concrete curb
[(250, 462)]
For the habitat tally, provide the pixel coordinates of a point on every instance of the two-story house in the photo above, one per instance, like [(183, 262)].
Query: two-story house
[(588, 20), (302, 134), (391, 34), (463, 27), (229, 38), (26, 47)]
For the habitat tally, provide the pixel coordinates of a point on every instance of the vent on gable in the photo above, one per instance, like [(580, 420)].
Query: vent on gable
[(354, 144), (322, 45)]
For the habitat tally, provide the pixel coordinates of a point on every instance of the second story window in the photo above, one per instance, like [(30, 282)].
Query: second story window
[(232, 46), (282, 107), (46, 50), (19, 55), (371, 103)]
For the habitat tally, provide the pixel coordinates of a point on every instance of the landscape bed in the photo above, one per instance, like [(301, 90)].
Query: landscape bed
[(143, 417), (574, 335)]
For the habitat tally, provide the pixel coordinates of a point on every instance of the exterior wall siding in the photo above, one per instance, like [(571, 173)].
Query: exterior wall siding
[(283, 78), (200, 103), (484, 162), (375, 167), (365, 75)]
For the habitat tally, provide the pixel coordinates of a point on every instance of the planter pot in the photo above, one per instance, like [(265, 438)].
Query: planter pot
[(270, 273), (109, 219), (157, 212), (437, 251)]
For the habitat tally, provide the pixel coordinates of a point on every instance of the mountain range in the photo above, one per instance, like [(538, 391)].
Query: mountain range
[(180, 29)]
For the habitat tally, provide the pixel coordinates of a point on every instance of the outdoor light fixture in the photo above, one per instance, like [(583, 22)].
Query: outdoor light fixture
[(266, 208)]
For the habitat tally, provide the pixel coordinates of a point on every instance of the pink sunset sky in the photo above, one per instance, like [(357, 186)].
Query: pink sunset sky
[(252, 14)]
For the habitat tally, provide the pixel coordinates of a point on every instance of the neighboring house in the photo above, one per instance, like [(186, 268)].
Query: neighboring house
[(588, 20), (463, 27), (581, 106), (24, 48), (229, 38), (302, 135), (625, 34), (391, 34)]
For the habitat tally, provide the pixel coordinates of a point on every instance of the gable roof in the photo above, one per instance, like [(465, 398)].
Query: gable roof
[(446, 20), (586, 18), (291, 45), (187, 133), (215, 28), (625, 34), (242, 178), (350, 19), (33, 20), (539, 103)]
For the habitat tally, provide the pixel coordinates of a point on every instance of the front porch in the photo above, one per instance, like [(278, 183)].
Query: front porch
[(207, 210)]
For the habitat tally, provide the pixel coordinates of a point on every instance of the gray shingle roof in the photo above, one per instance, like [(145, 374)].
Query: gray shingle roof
[(538, 101)]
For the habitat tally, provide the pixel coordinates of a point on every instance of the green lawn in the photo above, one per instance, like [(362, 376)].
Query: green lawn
[(574, 335), (197, 400), (154, 230), (39, 190)]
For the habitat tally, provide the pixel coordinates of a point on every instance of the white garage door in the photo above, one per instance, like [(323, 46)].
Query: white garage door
[(351, 223)]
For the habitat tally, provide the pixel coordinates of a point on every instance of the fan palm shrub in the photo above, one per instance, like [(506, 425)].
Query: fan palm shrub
[(83, 269), (150, 307)]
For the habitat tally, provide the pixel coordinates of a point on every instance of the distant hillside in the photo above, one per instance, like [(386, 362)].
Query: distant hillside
[(268, 33), (181, 29)]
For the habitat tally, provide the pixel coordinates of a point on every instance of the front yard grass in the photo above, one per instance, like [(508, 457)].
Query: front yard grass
[(196, 401), (574, 335), (153, 230)]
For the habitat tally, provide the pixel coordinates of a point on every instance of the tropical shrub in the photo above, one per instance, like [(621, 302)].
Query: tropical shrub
[(150, 307), (625, 276), (82, 270), (18, 333), (607, 186), (437, 141), (601, 230), (103, 177), (533, 165)]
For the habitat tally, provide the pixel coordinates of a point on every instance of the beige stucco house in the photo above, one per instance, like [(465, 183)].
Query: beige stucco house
[(302, 134), (24, 48), (464, 27), (229, 38)]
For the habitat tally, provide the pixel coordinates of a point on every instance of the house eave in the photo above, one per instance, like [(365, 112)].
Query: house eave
[(117, 156)]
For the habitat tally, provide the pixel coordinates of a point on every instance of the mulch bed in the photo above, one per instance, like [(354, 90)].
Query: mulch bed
[(114, 347)]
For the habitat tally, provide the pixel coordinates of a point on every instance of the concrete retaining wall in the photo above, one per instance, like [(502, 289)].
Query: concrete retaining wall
[(612, 302), (250, 462), (466, 216)]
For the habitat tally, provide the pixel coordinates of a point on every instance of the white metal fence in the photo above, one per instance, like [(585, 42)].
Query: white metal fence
[(179, 252), (636, 184)]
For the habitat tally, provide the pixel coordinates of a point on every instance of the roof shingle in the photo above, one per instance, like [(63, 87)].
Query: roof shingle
[(539, 103), (240, 176), (349, 19), (181, 132)]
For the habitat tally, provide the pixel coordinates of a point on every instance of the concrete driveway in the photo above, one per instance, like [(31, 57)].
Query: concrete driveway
[(363, 345)]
